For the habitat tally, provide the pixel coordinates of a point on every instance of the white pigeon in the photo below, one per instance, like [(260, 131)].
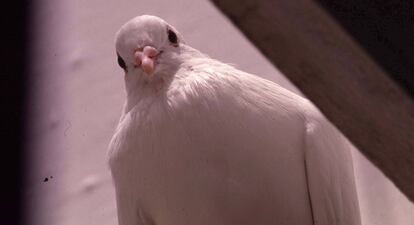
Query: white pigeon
[(202, 143)]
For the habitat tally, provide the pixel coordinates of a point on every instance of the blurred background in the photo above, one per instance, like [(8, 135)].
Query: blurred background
[(75, 94)]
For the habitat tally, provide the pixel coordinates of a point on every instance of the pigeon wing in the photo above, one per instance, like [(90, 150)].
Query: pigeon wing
[(329, 173)]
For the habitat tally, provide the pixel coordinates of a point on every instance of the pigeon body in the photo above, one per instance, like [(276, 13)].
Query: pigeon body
[(200, 142)]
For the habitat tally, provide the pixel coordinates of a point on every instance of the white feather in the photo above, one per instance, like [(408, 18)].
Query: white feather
[(204, 143)]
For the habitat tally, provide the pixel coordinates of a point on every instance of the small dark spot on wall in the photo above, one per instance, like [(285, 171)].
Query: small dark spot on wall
[(47, 178)]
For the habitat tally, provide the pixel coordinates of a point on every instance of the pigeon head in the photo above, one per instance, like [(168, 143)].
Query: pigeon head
[(147, 45)]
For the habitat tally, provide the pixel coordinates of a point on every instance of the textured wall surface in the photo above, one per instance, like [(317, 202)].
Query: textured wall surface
[(77, 94)]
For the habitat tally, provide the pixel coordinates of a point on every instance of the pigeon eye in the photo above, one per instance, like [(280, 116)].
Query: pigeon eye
[(172, 37), (121, 62)]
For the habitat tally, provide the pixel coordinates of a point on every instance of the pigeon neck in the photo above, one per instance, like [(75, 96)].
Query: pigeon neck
[(138, 88), (189, 53)]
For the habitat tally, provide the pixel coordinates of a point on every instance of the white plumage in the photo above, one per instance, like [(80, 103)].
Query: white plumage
[(202, 143)]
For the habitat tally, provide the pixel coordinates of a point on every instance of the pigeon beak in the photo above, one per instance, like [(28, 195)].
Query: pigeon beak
[(145, 59)]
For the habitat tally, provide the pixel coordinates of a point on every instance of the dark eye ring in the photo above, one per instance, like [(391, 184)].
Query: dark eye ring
[(172, 37), (121, 62)]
